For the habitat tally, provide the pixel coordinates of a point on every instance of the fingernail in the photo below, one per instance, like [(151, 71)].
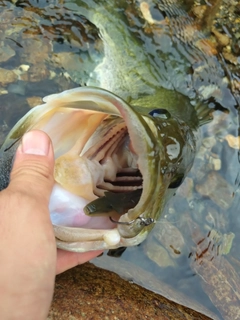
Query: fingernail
[(35, 142)]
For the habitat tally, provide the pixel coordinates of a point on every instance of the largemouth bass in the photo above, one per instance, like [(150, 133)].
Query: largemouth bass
[(137, 134)]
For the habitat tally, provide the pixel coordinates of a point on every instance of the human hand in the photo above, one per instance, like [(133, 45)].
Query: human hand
[(29, 259)]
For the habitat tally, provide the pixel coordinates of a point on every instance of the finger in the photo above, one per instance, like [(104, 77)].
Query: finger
[(33, 167), (67, 260)]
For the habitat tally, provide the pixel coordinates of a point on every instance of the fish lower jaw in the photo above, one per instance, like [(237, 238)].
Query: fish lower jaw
[(72, 225), (104, 239), (82, 239), (75, 231)]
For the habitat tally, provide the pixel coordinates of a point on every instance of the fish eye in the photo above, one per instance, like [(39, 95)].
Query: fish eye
[(160, 113)]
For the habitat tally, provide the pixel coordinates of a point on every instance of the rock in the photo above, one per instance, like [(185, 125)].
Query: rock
[(7, 76), (36, 50), (222, 39), (170, 237), (220, 280), (159, 255), (88, 292), (6, 52), (3, 91), (34, 101), (17, 88), (217, 189), (9, 114), (186, 189), (215, 162), (234, 142), (35, 73)]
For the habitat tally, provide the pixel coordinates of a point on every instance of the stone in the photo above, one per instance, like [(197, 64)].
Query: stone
[(6, 52), (88, 292), (7, 76)]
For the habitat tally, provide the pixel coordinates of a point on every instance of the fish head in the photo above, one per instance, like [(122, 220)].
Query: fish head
[(102, 144)]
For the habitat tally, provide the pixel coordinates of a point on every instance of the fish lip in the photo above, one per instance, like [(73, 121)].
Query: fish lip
[(142, 141), (76, 245)]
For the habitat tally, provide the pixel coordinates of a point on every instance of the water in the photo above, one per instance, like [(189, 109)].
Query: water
[(46, 47)]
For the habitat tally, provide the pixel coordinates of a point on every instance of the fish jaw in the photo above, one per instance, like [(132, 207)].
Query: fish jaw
[(105, 242)]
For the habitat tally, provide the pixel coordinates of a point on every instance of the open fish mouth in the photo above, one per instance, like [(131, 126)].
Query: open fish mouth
[(102, 148), (99, 176), (115, 165)]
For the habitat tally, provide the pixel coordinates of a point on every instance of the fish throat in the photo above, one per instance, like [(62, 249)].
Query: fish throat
[(103, 172), (110, 147)]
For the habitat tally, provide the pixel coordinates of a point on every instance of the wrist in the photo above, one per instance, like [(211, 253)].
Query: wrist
[(25, 293)]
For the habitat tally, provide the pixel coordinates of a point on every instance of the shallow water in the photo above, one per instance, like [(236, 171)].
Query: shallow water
[(47, 47)]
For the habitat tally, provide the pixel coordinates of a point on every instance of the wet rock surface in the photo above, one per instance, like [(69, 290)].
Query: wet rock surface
[(88, 292)]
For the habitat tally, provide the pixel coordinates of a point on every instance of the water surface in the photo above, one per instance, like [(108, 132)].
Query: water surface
[(192, 255)]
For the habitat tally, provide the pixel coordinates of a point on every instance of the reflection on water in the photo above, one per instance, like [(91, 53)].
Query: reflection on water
[(43, 45), (48, 46)]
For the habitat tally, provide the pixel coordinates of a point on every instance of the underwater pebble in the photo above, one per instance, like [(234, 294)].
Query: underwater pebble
[(170, 237), (220, 125), (224, 241), (199, 11), (230, 57), (67, 60), (7, 76), (222, 39), (145, 10), (217, 189), (206, 214), (233, 142), (186, 188), (36, 73), (17, 88), (34, 101), (24, 67), (209, 142), (36, 51), (3, 91), (159, 255), (6, 52), (200, 169), (212, 217), (215, 162), (21, 72), (52, 74)]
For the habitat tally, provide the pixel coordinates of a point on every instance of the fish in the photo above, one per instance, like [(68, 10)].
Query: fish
[(127, 131), (100, 144)]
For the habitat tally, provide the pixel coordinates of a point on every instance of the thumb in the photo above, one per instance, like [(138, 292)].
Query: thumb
[(32, 171)]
